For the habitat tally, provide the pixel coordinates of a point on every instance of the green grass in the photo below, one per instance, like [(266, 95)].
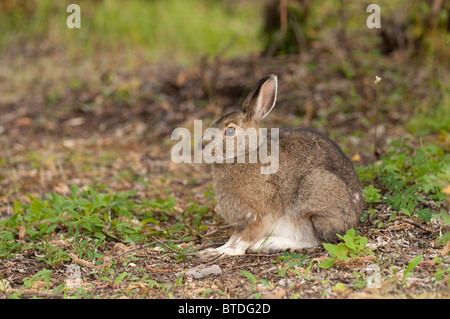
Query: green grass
[(432, 117), (170, 30)]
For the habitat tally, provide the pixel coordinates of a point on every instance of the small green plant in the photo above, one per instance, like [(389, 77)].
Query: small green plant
[(371, 194), (93, 213), (441, 271), (293, 259), (89, 220), (408, 177), (120, 277), (253, 282), (51, 255), (88, 212), (8, 246), (339, 287), (206, 292), (360, 281), (354, 246), (43, 275)]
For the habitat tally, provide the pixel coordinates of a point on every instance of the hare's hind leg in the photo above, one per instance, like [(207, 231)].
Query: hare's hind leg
[(332, 205), (327, 226)]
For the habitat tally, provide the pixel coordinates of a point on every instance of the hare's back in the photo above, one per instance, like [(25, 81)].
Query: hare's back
[(304, 149)]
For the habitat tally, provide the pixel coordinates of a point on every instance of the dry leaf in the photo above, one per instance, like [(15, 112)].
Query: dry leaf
[(277, 295), (81, 262)]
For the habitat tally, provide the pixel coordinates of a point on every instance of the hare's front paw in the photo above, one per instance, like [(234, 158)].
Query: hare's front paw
[(211, 253), (234, 247)]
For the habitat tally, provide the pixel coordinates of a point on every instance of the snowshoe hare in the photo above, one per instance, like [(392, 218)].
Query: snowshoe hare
[(314, 194)]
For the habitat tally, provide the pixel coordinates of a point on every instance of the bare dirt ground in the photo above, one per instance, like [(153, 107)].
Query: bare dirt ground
[(107, 124)]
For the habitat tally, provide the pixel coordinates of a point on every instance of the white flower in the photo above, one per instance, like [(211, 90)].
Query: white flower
[(377, 79)]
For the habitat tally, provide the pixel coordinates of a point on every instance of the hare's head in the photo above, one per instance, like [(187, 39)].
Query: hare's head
[(237, 133)]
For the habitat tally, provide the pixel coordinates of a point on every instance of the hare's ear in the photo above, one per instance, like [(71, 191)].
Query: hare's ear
[(261, 99)]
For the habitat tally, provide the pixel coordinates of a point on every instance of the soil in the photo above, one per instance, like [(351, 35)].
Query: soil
[(107, 124)]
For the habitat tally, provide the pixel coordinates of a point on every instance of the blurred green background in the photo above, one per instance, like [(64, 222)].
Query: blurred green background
[(170, 30), (412, 45), (184, 30)]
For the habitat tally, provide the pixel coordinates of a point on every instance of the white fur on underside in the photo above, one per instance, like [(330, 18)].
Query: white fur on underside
[(284, 235)]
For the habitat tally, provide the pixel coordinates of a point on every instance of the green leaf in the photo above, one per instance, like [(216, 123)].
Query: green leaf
[(74, 214), (339, 287), (249, 276), (17, 209), (51, 228), (100, 235), (83, 202), (405, 211), (364, 217), (35, 207), (44, 275), (362, 243), (120, 277), (264, 282), (57, 200), (43, 227), (412, 264), (150, 220), (327, 263), (282, 271), (425, 214), (342, 251), (349, 242), (59, 288), (74, 189), (331, 248), (371, 194), (87, 225)]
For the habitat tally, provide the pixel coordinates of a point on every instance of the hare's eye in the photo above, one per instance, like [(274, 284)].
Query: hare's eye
[(229, 131)]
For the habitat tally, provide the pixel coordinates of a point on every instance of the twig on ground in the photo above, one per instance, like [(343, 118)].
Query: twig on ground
[(172, 249), (126, 252), (446, 250), (416, 224)]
